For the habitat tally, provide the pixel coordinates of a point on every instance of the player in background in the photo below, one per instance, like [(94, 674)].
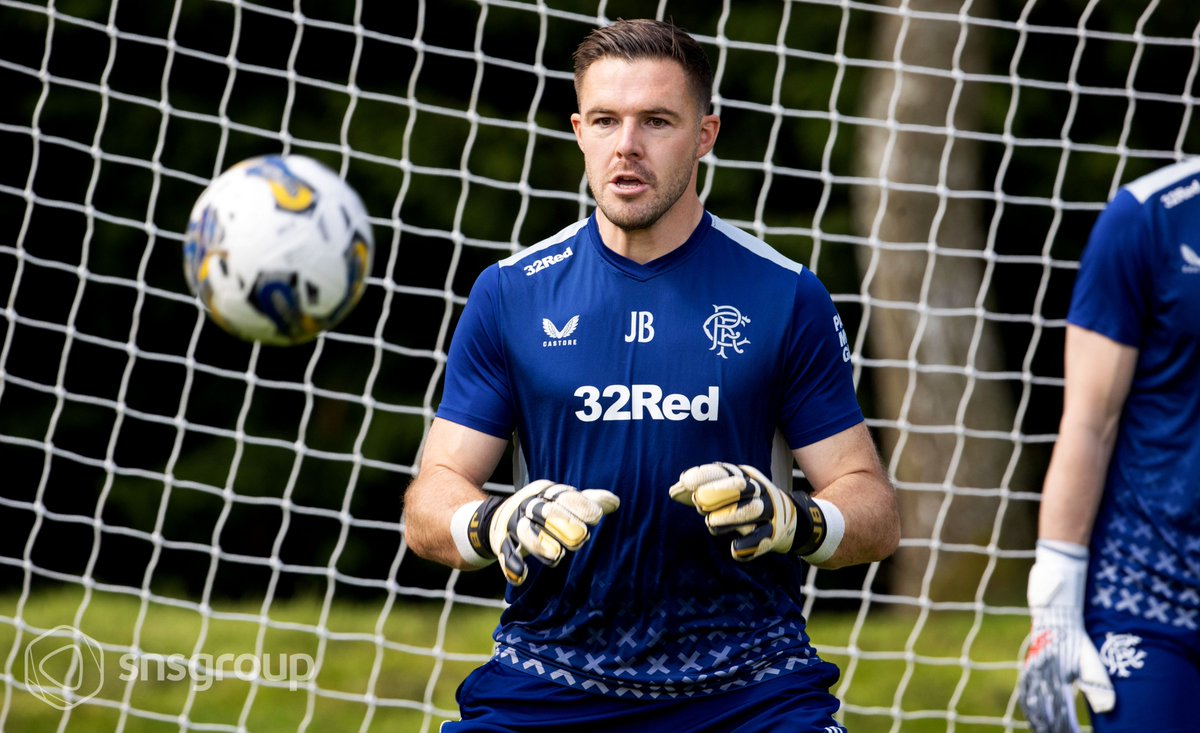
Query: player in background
[(1115, 588), (647, 358)]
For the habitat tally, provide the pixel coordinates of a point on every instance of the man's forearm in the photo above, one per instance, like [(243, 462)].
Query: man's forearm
[(871, 514), (1073, 486), (429, 505), (1098, 376)]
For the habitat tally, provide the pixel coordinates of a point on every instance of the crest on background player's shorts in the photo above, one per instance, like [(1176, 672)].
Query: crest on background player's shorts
[(1120, 653)]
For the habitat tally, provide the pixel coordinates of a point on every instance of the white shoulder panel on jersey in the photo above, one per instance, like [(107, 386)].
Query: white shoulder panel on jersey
[(563, 235), (1151, 183), (754, 244)]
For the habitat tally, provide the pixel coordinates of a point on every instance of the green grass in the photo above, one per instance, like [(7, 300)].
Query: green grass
[(931, 676), (923, 667), (351, 653)]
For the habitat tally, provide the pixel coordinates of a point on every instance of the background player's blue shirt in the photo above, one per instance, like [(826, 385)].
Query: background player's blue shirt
[(1139, 285), (620, 376)]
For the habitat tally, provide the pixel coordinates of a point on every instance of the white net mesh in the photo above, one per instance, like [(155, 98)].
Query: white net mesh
[(217, 525)]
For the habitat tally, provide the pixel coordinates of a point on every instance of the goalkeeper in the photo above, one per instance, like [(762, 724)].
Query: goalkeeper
[(1115, 589), (662, 370)]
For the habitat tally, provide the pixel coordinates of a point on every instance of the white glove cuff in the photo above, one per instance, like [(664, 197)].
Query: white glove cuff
[(458, 530), (1058, 575), (1053, 548), (835, 529)]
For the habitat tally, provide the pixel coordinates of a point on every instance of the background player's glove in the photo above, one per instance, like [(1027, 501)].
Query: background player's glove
[(543, 519), (1060, 653), (740, 499)]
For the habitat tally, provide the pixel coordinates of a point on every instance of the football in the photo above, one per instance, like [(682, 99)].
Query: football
[(278, 248)]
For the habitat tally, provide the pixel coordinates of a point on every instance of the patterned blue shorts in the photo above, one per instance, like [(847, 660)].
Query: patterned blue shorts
[(1155, 672), (497, 698)]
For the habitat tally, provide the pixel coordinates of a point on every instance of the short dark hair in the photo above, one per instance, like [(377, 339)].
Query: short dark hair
[(648, 39)]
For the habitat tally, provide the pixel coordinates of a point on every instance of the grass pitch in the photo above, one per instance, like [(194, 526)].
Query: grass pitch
[(380, 669)]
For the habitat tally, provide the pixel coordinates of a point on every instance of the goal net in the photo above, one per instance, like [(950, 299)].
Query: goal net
[(198, 533)]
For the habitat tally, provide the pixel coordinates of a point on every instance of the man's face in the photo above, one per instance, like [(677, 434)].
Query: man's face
[(641, 133)]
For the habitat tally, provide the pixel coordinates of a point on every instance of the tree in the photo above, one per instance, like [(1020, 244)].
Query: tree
[(927, 284)]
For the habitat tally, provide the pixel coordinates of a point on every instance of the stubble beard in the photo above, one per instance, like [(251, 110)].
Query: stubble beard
[(643, 214)]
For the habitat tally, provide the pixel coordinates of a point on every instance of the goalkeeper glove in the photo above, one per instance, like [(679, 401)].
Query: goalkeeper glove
[(1060, 654), (740, 499), (542, 520)]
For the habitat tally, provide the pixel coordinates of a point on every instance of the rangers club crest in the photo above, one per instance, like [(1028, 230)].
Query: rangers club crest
[(1120, 653), (724, 330)]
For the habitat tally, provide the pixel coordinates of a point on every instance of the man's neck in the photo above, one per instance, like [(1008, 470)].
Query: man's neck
[(661, 238)]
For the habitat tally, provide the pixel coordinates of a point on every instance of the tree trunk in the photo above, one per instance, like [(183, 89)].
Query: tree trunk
[(924, 307)]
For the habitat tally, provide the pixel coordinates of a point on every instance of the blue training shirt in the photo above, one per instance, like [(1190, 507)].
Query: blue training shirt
[(618, 375), (1139, 285)]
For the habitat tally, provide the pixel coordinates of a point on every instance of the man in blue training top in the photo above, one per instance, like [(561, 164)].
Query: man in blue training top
[(661, 371), (1114, 591)]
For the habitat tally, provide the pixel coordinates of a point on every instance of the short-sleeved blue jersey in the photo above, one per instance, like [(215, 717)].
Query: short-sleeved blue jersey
[(1139, 285), (618, 375)]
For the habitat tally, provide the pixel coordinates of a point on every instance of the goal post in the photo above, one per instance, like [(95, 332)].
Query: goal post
[(213, 529)]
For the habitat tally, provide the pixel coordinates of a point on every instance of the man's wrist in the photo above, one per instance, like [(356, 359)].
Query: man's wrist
[(469, 528), (828, 527)]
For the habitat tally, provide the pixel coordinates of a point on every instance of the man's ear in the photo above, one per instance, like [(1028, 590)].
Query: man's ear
[(576, 126), (710, 125)]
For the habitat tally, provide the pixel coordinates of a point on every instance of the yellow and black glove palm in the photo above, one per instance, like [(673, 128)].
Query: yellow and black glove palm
[(542, 520), (742, 500)]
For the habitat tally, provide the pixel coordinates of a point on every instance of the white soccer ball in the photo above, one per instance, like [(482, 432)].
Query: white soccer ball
[(278, 248)]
